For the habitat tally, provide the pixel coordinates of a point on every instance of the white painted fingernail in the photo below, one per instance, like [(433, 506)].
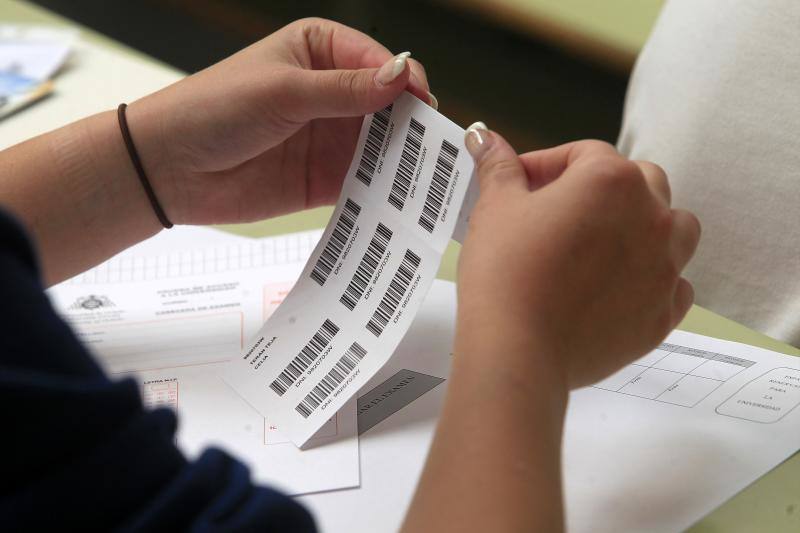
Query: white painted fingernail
[(434, 102), (476, 138), (392, 68)]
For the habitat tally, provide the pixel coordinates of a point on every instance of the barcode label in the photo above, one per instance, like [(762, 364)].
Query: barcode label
[(372, 148), (333, 250), (366, 268), (332, 379), (397, 288), (439, 184), (408, 162), (307, 355)]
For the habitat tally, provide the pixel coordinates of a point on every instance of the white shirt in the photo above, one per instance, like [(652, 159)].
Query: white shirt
[(715, 100)]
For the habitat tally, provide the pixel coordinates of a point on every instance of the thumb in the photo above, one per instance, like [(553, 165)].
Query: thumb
[(350, 93), (497, 165)]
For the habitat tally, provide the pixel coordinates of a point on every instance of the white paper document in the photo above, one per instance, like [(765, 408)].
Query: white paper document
[(172, 311), (664, 441), (367, 277), (29, 57), (34, 52), (654, 448), (194, 251)]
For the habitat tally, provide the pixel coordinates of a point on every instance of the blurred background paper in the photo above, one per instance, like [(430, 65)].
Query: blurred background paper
[(18, 99), (29, 57)]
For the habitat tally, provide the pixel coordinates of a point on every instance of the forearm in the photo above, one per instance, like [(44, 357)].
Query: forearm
[(78, 194), (495, 463)]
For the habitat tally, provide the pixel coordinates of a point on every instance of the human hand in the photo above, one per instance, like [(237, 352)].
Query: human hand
[(271, 129), (574, 255)]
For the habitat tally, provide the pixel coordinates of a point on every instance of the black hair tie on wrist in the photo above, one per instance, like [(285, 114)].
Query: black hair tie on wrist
[(137, 164)]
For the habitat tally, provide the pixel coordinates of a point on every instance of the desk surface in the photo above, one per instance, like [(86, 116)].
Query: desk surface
[(104, 73)]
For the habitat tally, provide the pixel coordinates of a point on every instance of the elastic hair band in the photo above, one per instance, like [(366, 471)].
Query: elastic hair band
[(137, 164)]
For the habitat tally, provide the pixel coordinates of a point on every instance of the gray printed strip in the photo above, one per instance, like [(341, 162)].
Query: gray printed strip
[(711, 356), (392, 395)]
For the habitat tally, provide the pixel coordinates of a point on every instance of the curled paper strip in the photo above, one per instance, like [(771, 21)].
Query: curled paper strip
[(359, 292)]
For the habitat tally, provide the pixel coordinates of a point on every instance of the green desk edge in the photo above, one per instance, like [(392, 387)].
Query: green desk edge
[(621, 24), (771, 504)]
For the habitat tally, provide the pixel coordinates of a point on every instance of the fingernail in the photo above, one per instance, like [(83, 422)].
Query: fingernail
[(477, 139), (433, 101), (392, 68)]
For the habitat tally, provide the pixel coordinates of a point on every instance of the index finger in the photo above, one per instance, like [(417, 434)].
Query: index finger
[(656, 179), (545, 166), (336, 46), (419, 78)]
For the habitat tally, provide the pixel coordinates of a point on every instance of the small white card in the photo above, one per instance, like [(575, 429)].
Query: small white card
[(367, 278)]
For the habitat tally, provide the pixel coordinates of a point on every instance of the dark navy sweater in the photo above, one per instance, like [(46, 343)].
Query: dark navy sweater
[(82, 454)]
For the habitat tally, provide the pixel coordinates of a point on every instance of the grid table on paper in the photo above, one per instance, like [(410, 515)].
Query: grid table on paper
[(675, 374), (160, 394)]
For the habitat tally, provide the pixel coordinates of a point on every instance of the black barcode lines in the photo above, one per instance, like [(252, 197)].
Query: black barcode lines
[(366, 268), (439, 184), (305, 358), (332, 379), (372, 148), (397, 288), (408, 163), (333, 250)]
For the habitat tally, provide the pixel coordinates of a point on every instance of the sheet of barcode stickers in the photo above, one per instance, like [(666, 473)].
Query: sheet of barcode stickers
[(367, 277)]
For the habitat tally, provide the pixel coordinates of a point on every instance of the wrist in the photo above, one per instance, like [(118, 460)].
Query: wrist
[(147, 127), (118, 198), (513, 352), (86, 203)]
